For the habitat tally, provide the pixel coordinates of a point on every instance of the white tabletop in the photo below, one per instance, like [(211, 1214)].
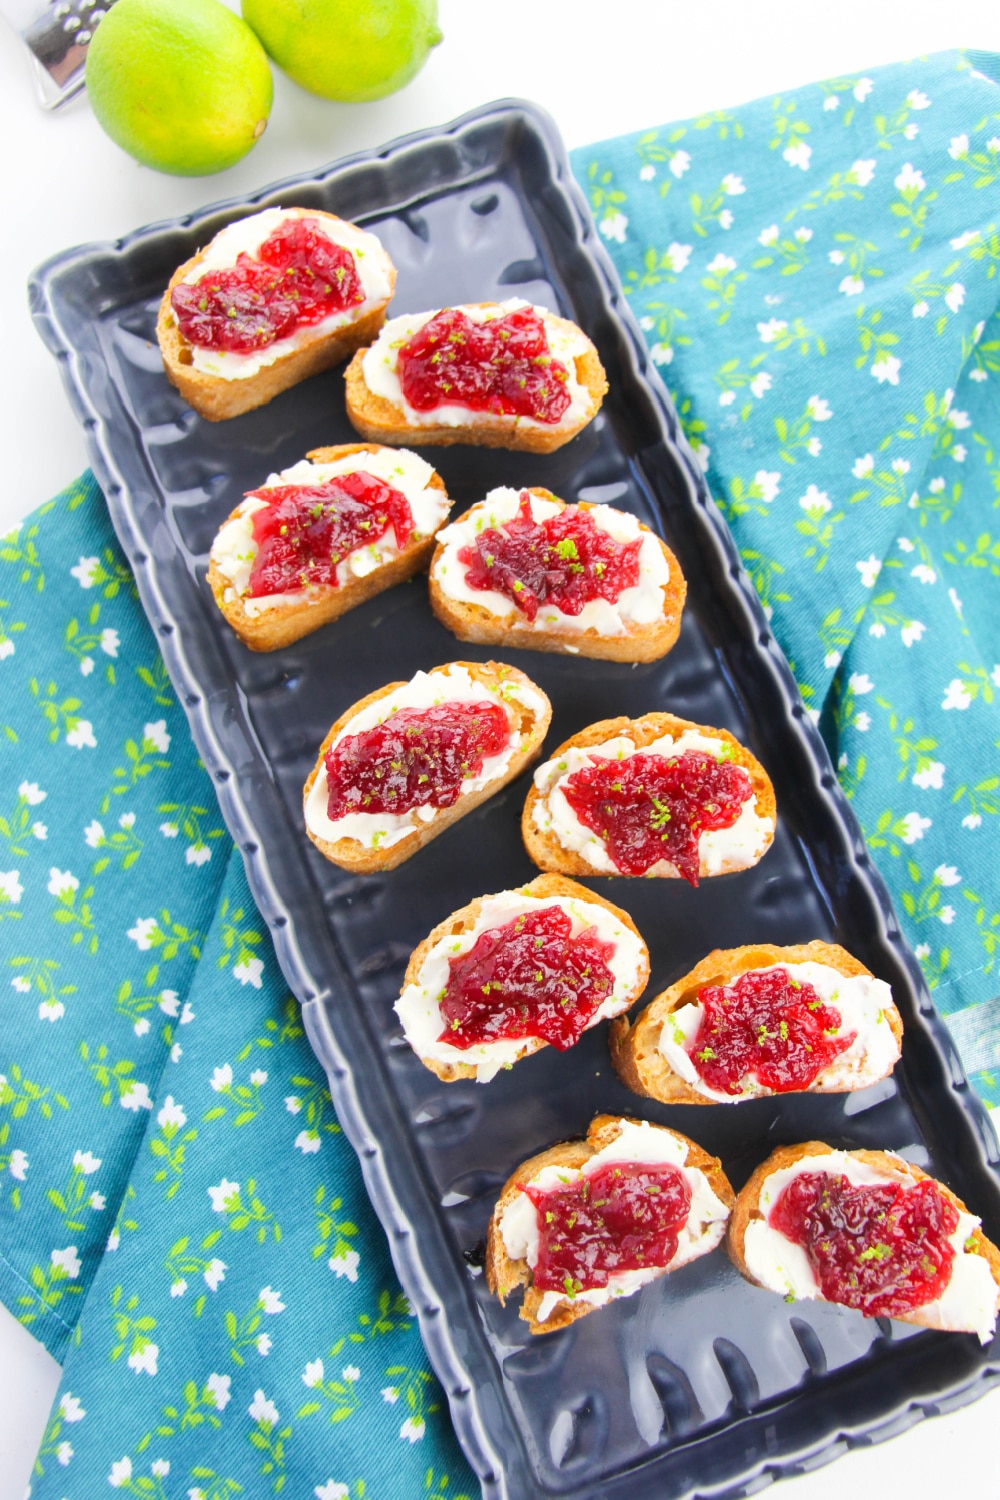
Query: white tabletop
[(600, 67)]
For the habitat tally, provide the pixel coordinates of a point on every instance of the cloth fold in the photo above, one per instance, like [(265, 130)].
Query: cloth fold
[(181, 1221)]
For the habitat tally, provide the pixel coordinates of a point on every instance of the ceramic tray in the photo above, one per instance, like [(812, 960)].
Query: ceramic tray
[(701, 1383)]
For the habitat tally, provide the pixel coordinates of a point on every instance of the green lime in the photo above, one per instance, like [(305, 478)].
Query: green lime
[(346, 49), (181, 85)]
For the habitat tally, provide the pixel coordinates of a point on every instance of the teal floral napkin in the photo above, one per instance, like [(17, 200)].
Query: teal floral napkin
[(181, 1221), (816, 277)]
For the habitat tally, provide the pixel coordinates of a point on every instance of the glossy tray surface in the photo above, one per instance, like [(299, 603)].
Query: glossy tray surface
[(700, 1384)]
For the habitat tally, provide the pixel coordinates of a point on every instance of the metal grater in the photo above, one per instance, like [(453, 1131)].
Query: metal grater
[(57, 36)]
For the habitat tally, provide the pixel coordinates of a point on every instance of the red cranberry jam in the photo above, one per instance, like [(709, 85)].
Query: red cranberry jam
[(528, 978), (297, 278), (564, 561), (418, 758), (306, 530), (503, 366), (652, 807), (882, 1250), (768, 1027), (626, 1216)]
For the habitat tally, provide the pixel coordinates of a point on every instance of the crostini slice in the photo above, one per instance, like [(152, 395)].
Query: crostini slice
[(328, 545), (525, 569), (493, 374), (517, 971), (275, 297), (759, 1020), (654, 796), (589, 1221), (408, 760), (869, 1231)]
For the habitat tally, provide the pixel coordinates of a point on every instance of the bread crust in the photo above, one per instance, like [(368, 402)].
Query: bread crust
[(291, 620), (464, 920), (747, 1209), (546, 850), (642, 1067), (381, 421), (476, 623), (349, 854), (504, 1275), (216, 399)]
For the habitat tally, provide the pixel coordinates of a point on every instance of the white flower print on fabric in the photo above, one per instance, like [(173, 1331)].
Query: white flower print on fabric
[(413, 1428), (947, 875), (955, 296), (852, 286), (345, 1264), (914, 827), (917, 100), (249, 972), (169, 830), (862, 89), (921, 309), (798, 155), (959, 148), (263, 1342), (144, 1359), (886, 367), (70, 1408), (613, 227), (972, 820), (930, 777), (222, 1078), (946, 915), (818, 409), (912, 631), (679, 163), (331, 1491), (86, 1162), (32, 793), (81, 736), (733, 185), (760, 384), (313, 1373), (769, 236), (11, 890), (308, 1142), (171, 1114), (768, 483), (121, 1473), (862, 171), (261, 1409), (863, 466), (721, 263), (869, 569), (156, 736), (772, 329), (224, 1195), (61, 882), (910, 180), (215, 1272), (293, 1104), (860, 683), (142, 933), (87, 571), (18, 1164), (136, 1097), (647, 173), (661, 354), (67, 1261), (677, 256), (956, 695), (815, 502), (270, 1300)]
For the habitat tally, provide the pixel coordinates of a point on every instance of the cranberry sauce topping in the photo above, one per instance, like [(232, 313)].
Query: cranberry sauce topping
[(297, 278), (418, 758), (626, 1216), (564, 561), (652, 807), (883, 1250), (528, 978), (503, 366), (768, 1027), (306, 530)]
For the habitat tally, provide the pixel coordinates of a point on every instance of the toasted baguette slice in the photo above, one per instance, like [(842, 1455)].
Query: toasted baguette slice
[(216, 398), (529, 712), (418, 1008), (383, 419), (891, 1168), (642, 1067), (497, 621), (292, 618), (550, 852), (707, 1221)]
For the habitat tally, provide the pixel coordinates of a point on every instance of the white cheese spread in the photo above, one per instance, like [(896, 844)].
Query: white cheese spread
[(969, 1302), (637, 1142), (637, 606), (245, 237), (719, 849), (420, 1013), (444, 685), (861, 1001), (566, 343), (234, 549)]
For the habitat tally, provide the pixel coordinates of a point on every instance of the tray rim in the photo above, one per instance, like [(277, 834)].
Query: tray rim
[(451, 1368)]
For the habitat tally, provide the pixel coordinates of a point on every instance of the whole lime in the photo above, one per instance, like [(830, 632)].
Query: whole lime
[(181, 85), (351, 50)]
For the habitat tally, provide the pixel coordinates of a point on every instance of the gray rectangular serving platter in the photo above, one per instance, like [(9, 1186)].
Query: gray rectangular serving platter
[(700, 1384)]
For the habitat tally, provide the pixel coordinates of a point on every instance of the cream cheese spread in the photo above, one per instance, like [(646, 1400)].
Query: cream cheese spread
[(448, 684), (968, 1303), (637, 606), (566, 343), (719, 849), (862, 1002), (245, 237), (234, 549), (420, 1013), (637, 1142)]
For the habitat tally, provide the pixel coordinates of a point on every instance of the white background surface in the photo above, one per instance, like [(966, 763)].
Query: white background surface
[(600, 67)]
